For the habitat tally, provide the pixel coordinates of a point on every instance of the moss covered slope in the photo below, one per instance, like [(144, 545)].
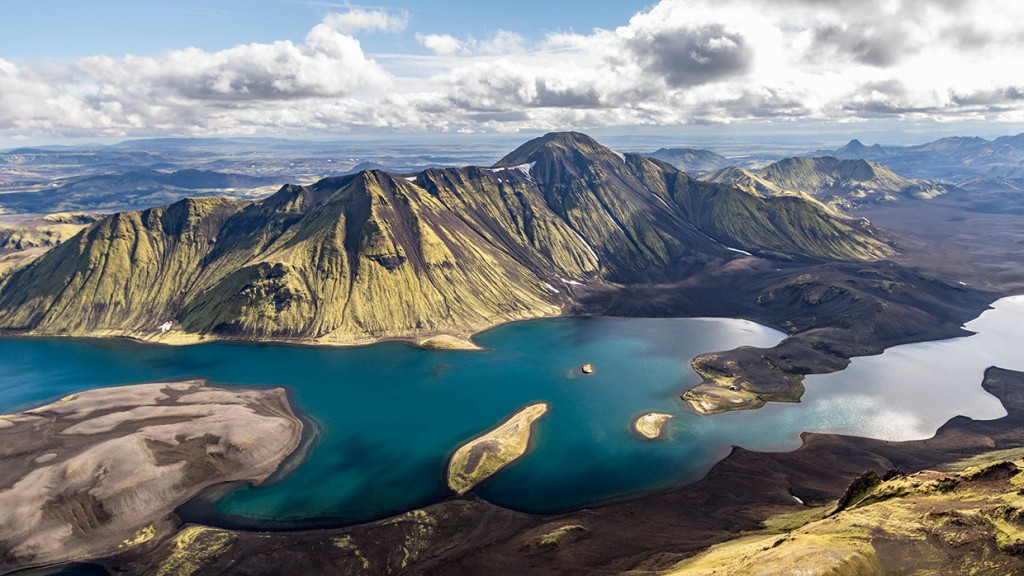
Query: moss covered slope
[(449, 251), (971, 522), (845, 183)]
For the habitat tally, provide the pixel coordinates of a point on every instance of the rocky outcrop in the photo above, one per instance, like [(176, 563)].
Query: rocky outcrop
[(651, 424), (929, 522)]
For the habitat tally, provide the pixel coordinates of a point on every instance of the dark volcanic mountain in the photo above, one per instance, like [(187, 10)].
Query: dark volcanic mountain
[(448, 251), (691, 160), (131, 190), (953, 159), (845, 183)]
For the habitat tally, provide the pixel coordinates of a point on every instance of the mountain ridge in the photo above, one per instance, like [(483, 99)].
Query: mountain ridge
[(955, 158), (135, 189), (449, 251), (845, 183), (691, 160)]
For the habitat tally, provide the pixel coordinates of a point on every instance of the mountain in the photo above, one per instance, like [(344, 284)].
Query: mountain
[(130, 190), (447, 251), (992, 195), (930, 522), (53, 156), (856, 150), (691, 160), (46, 231), (845, 183), (955, 159), (366, 165), (750, 181)]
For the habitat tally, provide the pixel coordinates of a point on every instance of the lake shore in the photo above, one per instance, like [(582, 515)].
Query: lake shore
[(831, 312), (101, 470), (739, 494)]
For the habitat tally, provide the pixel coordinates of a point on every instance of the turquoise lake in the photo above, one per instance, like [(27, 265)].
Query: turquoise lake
[(390, 415)]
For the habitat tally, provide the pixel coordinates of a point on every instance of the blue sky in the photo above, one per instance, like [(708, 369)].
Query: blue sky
[(909, 69), (71, 28)]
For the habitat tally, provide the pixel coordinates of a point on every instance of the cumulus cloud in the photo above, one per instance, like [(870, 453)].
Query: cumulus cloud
[(501, 42), (444, 44), (359, 19), (329, 63), (688, 56), (678, 62), (876, 46)]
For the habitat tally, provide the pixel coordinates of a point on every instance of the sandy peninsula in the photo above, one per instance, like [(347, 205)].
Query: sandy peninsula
[(483, 456), (100, 471), (651, 424)]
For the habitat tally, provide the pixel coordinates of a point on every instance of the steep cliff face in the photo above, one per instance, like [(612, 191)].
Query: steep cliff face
[(374, 257), (788, 223), (608, 199), (343, 261), (448, 251), (130, 271)]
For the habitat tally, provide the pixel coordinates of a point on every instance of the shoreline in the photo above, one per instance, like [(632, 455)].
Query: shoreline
[(817, 472), (422, 341), (130, 455), (713, 395), (843, 447)]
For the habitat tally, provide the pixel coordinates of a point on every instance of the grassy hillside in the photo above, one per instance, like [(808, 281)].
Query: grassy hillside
[(968, 522), (448, 251), (845, 183)]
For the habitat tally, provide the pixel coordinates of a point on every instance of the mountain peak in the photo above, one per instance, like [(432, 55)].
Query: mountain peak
[(557, 145)]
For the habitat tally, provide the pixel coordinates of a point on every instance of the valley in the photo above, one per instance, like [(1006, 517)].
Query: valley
[(638, 288), (498, 283)]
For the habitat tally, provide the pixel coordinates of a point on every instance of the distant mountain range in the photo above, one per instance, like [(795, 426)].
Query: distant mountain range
[(445, 251), (843, 183), (955, 159), (131, 190), (691, 160)]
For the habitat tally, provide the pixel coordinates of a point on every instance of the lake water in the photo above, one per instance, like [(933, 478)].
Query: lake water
[(390, 415)]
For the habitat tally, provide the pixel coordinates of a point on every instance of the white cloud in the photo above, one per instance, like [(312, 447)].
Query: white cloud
[(359, 19), (502, 42), (329, 63), (692, 61), (444, 44)]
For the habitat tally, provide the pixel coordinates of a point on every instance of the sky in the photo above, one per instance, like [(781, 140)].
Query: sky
[(108, 70)]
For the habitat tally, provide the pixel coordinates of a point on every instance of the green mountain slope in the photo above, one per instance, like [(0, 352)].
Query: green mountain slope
[(845, 183), (448, 251)]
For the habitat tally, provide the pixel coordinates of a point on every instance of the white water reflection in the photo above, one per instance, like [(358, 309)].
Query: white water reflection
[(906, 393)]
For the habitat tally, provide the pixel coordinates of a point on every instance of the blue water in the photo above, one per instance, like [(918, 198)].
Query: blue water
[(390, 415)]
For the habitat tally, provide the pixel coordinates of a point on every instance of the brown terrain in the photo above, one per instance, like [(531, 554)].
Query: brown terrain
[(99, 471), (748, 492), (801, 502), (955, 520)]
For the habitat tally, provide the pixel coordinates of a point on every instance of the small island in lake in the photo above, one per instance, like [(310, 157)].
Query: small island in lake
[(650, 425), (481, 457)]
